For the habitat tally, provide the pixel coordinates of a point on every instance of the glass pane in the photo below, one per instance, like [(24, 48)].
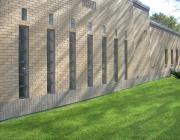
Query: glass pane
[(90, 60), (24, 14), (72, 59), (23, 62), (50, 61), (104, 60), (116, 60)]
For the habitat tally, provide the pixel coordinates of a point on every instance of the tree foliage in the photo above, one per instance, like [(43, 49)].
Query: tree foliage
[(168, 21)]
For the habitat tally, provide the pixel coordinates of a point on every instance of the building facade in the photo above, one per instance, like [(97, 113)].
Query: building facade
[(57, 52)]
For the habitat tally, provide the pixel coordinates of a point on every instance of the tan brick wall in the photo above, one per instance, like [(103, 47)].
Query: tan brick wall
[(139, 61), (145, 44), (159, 41)]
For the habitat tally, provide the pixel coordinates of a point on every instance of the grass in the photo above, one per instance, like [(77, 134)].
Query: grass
[(146, 112)]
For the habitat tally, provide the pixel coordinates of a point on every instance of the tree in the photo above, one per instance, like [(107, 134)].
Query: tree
[(178, 27), (168, 21)]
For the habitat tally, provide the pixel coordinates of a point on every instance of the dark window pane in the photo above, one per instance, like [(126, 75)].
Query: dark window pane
[(22, 90), (51, 61), (104, 29), (166, 56), (177, 57), (172, 57), (126, 59), (116, 32), (104, 60), (23, 80), (51, 18), (24, 14), (116, 60), (72, 60), (90, 60), (72, 23), (23, 61)]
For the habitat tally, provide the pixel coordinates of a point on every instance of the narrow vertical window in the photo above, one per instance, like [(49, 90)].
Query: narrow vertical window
[(24, 14), (104, 60), (23, 62), (125, 59), (72, 59), (116, 60), (177, 57), (172, 57), (50, 61), (90, 60), (104, 29), (89, 26), (166, 56), (72, 23), (116, 32), (51, 18)]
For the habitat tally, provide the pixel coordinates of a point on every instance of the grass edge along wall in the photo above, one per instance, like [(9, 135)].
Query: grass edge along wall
[(70, 51)]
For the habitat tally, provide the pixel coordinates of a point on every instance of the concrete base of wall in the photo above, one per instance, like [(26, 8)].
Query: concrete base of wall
[(22, 107)]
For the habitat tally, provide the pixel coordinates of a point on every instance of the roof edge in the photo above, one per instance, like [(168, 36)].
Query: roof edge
[(162, 27), (140, 5)]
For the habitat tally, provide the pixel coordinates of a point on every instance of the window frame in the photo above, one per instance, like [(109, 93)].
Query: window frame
[(26, 95), (54, 61), (24, 14), (51, 19), (90, 60)]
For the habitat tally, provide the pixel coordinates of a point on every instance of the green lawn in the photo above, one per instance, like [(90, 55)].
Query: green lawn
[(147, 112)]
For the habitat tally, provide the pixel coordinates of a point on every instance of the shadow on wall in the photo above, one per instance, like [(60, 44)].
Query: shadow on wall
[(35, 104)]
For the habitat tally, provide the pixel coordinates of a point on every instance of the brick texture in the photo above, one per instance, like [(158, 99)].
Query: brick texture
[(146, 46)]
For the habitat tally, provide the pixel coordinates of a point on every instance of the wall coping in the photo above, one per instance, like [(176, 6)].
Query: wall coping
[(140, 5), (162, 27)]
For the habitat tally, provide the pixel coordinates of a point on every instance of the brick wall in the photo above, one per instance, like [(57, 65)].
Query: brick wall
[(146, 46)]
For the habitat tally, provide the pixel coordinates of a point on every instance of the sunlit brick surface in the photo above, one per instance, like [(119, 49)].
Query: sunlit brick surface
[(146, 46)]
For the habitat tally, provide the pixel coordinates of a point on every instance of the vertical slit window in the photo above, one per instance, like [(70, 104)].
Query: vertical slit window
[(24, 14), (23, 62), (72, 59), (166, 56), (177, 57), (116, 60), (104, 60), (89, 26), (116, 32), (50, 61), (104, 29), (51, 18), (172, 57), (126, 59), (90, 60), (72, 23)]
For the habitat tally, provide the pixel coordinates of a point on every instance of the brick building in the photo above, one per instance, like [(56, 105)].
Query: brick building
[(57, 52)]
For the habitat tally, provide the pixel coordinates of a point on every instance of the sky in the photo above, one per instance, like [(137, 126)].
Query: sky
[(168, 7)]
